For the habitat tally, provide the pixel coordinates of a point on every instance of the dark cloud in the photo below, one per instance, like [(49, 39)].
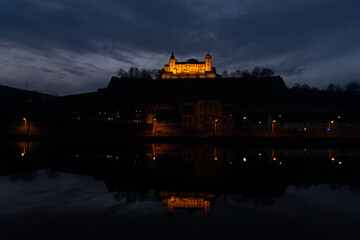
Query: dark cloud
[(299, 39), (47, 70), (73, 71)]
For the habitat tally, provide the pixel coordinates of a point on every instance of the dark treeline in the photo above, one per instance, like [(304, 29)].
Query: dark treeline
[(267, 72), (134, 72), (255, 72), (350, 87)]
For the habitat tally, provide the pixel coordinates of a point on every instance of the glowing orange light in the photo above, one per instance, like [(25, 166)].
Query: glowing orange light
[(274, 159), (332, 122), (274, 121), (332, 159)]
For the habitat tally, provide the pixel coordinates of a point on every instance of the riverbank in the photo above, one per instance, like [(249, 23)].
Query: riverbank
[(243, 141)]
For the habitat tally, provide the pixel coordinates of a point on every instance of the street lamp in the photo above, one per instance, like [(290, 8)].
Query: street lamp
[(24, 119)]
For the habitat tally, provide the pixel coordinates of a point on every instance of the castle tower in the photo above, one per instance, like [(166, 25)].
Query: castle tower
[(172, 62), (208, 62)]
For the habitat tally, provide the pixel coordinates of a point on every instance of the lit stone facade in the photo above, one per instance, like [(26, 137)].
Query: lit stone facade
[(192, 68)]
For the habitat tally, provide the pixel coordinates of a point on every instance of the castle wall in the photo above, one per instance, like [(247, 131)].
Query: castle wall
[(170, 75), (192, 67)]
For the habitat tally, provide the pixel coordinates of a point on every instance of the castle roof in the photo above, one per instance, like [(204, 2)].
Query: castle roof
[(172, 55), (191, 61)]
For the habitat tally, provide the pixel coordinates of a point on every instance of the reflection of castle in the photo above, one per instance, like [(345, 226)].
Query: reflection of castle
[(187, 201), (192, 68)]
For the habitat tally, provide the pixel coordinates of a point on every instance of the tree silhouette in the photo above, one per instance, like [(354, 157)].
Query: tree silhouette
[(305, 86), (352, 87), (266, 72), (122, 73), (225, 73), (256, 72), (245, 73), (296, 86), (331, 87), (145, 73)]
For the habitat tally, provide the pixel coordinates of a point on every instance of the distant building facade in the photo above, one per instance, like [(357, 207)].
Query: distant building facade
[(167, 123), (206, 117), (192, 68)]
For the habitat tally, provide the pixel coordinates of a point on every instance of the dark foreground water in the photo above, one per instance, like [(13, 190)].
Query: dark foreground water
[(180, 191)]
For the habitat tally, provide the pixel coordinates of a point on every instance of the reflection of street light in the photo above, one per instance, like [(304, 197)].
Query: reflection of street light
[(24, 119), (272, 127), (216, 120)]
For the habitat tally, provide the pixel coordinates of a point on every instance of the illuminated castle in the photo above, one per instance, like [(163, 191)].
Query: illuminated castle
[(192, 68)]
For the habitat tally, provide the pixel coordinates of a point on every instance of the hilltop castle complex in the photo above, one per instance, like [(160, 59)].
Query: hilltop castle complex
[(192, 68)]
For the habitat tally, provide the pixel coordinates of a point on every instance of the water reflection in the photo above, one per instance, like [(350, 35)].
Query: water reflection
[(188, 188), (187, 201), (188, 176)]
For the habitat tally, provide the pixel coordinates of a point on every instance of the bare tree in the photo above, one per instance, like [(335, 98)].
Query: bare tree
[(225, 73), (122, 73), (245, 73), (145, 73), (352, 87), (296, 86), (331, 88), (256, 72), (266, 72), (134, 72)]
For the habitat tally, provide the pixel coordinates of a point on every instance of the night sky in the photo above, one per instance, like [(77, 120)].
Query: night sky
[(66, 46)]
